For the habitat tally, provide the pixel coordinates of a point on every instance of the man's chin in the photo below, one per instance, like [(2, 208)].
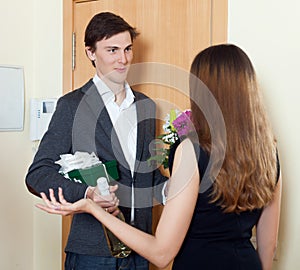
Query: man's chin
[(120, 79)]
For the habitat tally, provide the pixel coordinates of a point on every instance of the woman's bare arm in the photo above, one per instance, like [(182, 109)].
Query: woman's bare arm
[(267, 229), (161, 248)]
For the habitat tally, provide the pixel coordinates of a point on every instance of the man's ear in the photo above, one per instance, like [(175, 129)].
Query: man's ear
[(90, 54)]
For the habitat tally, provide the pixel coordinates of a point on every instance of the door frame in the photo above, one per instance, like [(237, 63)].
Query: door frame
[(219, 15)]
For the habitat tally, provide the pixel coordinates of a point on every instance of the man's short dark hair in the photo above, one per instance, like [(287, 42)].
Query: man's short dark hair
[(105, 25)]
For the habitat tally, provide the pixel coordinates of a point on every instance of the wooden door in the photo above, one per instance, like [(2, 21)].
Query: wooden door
[(172, 32)]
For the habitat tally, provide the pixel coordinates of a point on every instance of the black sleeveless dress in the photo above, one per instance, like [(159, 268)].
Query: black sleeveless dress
[(215, 240)]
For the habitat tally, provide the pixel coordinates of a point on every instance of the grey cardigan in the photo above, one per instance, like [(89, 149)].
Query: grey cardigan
[(81, 123)]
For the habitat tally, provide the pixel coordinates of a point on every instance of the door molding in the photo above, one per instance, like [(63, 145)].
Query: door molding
[(219, 25)]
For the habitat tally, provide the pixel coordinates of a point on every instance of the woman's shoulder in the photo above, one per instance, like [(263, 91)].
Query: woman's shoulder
[(201, 154), (181, 143)]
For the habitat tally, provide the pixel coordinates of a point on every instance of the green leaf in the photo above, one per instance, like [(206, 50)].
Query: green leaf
[(172, 118)]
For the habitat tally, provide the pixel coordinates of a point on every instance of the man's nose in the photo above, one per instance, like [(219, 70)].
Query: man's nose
[(123, 57)]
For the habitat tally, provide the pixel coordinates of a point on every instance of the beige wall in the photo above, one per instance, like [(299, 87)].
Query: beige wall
[(31, 36), (269, 32)]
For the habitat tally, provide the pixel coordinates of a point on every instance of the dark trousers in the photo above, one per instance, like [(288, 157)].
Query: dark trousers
[(85, 262)]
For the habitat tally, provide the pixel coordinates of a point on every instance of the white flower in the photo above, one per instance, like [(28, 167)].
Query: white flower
[(166, 127), (170, 138)]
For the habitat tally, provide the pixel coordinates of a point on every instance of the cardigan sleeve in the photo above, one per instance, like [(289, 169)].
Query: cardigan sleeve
[(43, 172)]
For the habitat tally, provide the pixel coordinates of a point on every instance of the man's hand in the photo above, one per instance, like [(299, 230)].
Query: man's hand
[(109, 203)]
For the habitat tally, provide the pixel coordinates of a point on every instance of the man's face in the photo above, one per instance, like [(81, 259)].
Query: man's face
[(112, 58)]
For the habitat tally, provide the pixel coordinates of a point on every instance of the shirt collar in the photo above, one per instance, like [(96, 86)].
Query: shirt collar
[(108, 96)]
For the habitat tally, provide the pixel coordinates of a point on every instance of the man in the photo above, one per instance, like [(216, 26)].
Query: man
[(107, 117)]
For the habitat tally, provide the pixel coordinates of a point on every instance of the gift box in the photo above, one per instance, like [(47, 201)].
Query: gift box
[(90, 175)]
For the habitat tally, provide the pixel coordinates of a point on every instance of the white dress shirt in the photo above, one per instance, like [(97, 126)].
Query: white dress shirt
[(124, 120)]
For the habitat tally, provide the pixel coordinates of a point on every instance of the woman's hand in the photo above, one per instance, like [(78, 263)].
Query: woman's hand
[(62, 207)]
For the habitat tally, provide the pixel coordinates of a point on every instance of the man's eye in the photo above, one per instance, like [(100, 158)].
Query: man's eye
[(128, 49), (112, 50)]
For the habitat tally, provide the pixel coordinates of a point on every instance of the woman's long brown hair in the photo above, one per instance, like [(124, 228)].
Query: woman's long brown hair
[(247, 178)]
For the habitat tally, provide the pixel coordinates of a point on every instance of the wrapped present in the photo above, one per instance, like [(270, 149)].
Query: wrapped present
[(83, 167), (90, 175)]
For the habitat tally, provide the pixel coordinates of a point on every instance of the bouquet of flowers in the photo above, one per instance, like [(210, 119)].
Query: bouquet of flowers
[(177, 124)]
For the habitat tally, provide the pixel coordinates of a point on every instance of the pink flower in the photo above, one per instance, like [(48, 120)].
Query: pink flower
[(183, 123), (175, 127)]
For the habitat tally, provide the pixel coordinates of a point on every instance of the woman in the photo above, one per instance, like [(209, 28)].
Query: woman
[(211, 229)]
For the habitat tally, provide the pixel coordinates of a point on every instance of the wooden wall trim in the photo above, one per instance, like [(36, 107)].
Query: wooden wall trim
[(67, 45), (219, 19), (67, 86)]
